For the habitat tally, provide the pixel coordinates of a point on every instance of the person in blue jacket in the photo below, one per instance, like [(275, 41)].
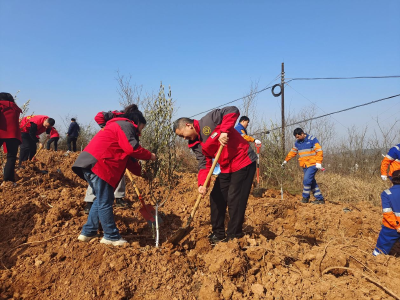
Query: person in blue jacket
[(390, 232), (72, 134)]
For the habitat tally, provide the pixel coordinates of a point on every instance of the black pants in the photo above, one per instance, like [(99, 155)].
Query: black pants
[(73, 141), (12, 150), (231, 190), (28, 148), (55, 140)]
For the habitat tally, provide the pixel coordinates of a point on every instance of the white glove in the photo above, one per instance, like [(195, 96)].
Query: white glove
[(257, 142), (318, 166), (284, 163), (384, 177)]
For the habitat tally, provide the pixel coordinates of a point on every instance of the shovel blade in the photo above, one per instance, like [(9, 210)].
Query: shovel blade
[(148, 213), (179, 235)]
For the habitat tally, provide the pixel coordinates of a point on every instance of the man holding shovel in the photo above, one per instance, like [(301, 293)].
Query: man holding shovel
[(237, 162), (31, 127)]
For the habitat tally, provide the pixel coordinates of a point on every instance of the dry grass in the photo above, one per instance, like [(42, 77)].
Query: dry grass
[(338, 187), (350, 188)]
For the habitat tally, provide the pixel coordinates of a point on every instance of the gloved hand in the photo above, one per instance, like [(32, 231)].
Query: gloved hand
[(257, 142), (384, 177), (284, 163), (318, 166)]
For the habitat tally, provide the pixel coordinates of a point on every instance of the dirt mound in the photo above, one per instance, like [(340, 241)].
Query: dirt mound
[(288, 252)]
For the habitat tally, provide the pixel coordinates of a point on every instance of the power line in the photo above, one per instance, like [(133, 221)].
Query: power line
[(257, 92), (344, 78), (300, 78), (335, 112), (312, 103)]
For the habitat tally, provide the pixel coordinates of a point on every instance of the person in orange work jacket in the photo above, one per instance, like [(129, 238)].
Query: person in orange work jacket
[(241, 127), (391, 161), (237, 162), (311, 155), (390, 232)]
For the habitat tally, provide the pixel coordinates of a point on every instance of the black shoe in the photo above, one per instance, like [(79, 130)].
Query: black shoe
[(305, 200), (119, 202), (318, 202), (88, 206), (215, 239), (232, 237)]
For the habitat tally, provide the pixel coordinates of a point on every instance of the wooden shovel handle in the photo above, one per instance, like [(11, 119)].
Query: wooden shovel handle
[(221, 147), (127, 172)]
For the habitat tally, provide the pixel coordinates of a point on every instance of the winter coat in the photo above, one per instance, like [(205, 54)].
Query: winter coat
[(113, 149), (33, 125), (236, 155), (391, 207), (73, 130), (54, 133), (309, 150), (9, 120), (243, 132), (391, 160)]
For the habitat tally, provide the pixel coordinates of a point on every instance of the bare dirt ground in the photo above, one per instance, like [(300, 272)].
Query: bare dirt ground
[(290, 251)]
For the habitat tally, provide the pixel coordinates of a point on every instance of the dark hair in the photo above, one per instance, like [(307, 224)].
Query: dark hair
[(6, 97), (396, 177), (298, 131), (181, 122), (51, 121), (132, 113), (130, 109), (243, 118), (73, 119)]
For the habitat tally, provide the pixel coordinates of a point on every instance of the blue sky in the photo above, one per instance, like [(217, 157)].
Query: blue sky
[(63, 55)]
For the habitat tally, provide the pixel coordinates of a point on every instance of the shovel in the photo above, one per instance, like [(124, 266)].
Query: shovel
[(147, 211), (40, 149), (183, 231)]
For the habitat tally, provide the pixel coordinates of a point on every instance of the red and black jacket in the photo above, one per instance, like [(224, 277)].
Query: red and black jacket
[(113, 149), (236, 155), (103, 117), (54, 133), (34, 126), (9, 120)]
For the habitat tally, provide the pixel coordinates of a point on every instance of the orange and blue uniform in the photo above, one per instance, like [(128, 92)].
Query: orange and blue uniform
[(391, 161), (243, 132), (391, 220), (310, 152)]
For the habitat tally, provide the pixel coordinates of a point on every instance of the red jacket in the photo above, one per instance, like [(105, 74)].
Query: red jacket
[(25, 124), (113, 149), (9, 120), (236, 155), (103, 117), (54, 133)]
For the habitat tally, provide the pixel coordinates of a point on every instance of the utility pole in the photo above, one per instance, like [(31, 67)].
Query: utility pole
[(283, 106)]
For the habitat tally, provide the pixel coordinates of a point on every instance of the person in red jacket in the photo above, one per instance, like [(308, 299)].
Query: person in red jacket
[(237, 163), (102, 118), (31, 127), (10, 135), (54, 137), (102, 164)]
